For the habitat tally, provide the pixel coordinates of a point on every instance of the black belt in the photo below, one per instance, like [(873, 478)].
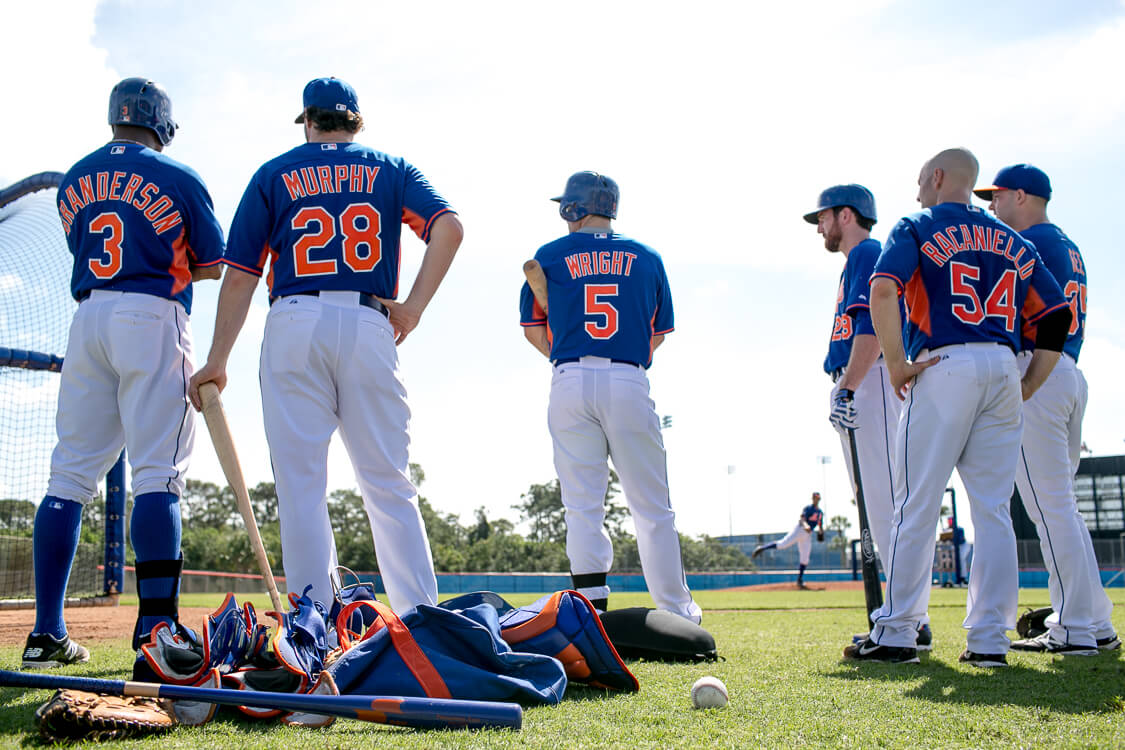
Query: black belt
[(365, 299), (572, 360)]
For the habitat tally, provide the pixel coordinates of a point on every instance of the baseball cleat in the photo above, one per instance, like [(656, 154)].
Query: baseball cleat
[(1109, 643), (757, 551), (983, 660), (925, 640), (868, 650), (1046, 644), (44, 651)]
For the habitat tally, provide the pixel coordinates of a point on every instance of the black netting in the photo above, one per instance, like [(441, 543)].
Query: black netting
[(35, 313)]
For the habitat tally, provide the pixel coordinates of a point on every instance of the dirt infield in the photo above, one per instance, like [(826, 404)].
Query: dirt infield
[(811, 586), (88, 624)]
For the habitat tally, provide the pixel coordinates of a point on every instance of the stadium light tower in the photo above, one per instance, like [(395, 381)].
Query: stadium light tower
[(824, 461), (730, 502)]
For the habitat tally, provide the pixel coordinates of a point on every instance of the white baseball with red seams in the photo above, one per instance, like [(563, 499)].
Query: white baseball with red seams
[(709, 692)]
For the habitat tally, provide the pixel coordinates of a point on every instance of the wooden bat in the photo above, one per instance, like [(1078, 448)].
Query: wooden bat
[(872, 589), (217, 425), (422, 713), (537, 280)]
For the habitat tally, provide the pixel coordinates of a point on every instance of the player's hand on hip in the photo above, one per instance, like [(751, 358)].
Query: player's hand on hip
[(903, 373), (210, 372), (843, 415), (403, 318)]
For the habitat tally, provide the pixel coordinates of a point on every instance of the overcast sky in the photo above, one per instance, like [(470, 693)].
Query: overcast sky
[(721, 122)]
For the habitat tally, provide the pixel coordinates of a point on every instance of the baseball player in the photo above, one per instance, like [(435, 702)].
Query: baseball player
[(1052, 432), (969, 281), (141, 228), (326, 216), (609, 308), (812, 518)]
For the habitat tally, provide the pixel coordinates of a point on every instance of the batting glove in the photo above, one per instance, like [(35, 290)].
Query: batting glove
[(843, 415)]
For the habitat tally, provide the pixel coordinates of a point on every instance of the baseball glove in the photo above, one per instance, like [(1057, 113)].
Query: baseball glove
[(1032, 623), (820, 535), (73, 715)]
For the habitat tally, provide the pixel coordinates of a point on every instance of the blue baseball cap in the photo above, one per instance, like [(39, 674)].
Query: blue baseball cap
[(330, 94), (857, 197), (1031, 180)]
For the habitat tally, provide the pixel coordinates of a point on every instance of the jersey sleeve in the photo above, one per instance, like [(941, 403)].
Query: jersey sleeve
[(421, 204), (899, 259), (531, 314), (1044, 295), (663, 321), (248, 245), (205, 235), (857, 302)]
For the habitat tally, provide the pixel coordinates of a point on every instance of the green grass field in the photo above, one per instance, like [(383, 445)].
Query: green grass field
[(788, 687)]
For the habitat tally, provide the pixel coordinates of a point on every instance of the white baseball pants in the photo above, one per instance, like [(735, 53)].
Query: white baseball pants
[(877, 413), (124, 384), (964, 413), (1052, 439), (329, 363), (601, 409), (803, 540)]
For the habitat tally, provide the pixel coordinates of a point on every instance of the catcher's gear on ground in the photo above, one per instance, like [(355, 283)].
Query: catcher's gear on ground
[(588, 193), (643, 633), (1033, 622), (820, 535), (141, 102), (73, 715), (844, 416)]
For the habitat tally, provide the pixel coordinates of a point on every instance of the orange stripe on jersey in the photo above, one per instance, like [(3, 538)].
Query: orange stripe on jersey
[(1035, 308), (918, 302), (180, 268), (430, 223), (416, 223), (248, 269), (273, 261)]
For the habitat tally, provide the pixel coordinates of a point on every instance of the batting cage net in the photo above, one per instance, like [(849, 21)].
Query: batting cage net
[(35, 313)]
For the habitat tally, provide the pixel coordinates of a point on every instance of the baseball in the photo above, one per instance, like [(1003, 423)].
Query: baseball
[(709, 692)]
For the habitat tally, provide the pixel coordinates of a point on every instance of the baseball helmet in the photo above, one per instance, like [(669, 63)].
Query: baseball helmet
[(857, 197), (144, 103), (588, 193)]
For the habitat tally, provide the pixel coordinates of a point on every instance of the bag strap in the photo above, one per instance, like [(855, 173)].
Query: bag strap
[(403, 642)]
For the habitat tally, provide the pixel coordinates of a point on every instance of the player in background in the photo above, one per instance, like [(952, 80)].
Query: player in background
[(969, 281), (609, 308), (812, 519), (141, 228), (1052, 434), (326, 216)]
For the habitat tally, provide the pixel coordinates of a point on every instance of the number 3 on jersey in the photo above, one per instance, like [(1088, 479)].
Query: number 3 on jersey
[(597, 304), (360, 227), (110, 226)]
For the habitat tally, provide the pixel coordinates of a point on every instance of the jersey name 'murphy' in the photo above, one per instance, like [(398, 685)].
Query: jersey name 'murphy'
[(324, 178), (127, 187), (602, 263), (980, 239)]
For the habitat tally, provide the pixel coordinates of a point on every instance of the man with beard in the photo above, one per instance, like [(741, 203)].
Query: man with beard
[(862, 398)]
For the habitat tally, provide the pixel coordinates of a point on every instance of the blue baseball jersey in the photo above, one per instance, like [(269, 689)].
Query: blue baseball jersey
[(608, 297), (966, 277), (137, 221), (812, 515), (1064, 261), (853, 304), (327, 217)]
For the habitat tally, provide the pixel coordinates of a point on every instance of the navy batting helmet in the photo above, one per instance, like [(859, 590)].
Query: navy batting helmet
[(588, 193), (145, 104), (857, 197)]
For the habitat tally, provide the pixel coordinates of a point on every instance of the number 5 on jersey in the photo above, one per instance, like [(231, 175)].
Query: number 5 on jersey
[(597, 304)]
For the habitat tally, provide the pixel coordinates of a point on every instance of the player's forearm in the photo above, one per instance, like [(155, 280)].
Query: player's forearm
[(1042, 362), (445, 238), (206, 273), (657, 340), (234, 302), (887, 321), (865, 350), (537, 337)]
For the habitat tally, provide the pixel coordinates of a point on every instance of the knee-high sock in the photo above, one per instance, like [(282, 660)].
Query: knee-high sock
[(154, 530), (54, 542), (801, 573)]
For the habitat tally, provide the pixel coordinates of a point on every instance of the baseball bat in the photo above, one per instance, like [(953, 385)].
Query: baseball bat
[(217, 425), (872, 590), (420, 713), (537, 280)]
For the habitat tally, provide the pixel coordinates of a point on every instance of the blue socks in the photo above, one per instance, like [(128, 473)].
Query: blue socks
[(154, 530), (54, 542)]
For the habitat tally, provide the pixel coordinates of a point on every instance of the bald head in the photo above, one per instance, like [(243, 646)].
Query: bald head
[(948, 177)]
